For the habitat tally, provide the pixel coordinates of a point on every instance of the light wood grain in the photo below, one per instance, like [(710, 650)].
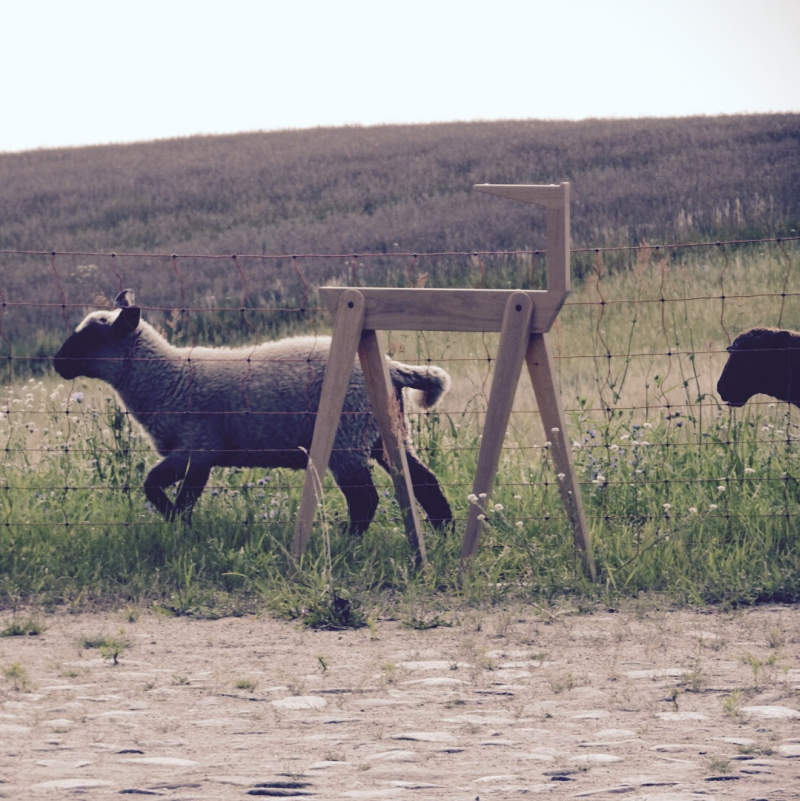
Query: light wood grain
[(510, 355), (396, 309), (344, 345), (391, 425)]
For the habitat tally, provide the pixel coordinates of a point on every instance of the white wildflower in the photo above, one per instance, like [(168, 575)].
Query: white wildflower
[(561, 476), (712, 507), (472, 497), (749, 471), (555, 430), (692, 510), (498, 507), (667, 507)]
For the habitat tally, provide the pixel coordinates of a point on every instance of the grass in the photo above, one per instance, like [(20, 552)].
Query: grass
[(684, 497)]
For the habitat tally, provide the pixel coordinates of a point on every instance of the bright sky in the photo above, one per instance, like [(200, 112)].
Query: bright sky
[(95, 71)]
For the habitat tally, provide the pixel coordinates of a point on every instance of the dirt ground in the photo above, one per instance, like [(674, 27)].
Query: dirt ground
[(643, 703)]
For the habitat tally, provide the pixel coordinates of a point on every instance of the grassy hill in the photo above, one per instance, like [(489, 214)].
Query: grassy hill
[(379, 189), (355, 188)]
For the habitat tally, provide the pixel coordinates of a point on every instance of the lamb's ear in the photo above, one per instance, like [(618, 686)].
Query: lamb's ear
[(127, 320), (125, 298)]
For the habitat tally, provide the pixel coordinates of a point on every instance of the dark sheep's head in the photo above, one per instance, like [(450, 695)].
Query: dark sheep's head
[(760, 361), (94, 349)]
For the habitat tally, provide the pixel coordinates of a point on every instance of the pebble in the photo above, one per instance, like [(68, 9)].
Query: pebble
[(300, 702), (676, 717), (771, 712), (425, 736)]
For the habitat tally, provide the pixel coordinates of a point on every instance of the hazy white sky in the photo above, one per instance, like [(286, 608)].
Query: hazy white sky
[(95, 71)]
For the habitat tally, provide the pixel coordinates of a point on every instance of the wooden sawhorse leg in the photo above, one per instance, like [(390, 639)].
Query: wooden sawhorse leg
[(349, 338), (518, 344), (514, 335), (540, 368)]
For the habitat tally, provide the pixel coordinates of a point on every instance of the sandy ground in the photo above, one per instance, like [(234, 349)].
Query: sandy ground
[(643, 704)]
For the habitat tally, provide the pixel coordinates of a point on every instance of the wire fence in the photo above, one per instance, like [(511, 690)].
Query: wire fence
[(638, 346)]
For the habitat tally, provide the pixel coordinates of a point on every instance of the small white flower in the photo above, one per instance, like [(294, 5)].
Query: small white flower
[(712, 507), (555, 430), (667, 507), (749, 471), (481, 517), (692, 510), (498, 507), (613, 447), (721, 488), (482, 496), (472, 497), (561, 476), (519, 524), (548, 444)]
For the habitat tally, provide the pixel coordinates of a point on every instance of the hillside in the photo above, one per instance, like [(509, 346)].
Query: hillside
[(348, 189), (381, 189)]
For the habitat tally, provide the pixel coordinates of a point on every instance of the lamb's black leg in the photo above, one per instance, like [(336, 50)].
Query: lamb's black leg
[(194, 481), (429, 493), (426, 490), (168, 471), (361, 497)]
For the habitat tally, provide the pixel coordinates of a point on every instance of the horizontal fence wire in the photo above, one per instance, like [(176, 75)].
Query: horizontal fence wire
[(637, 351)]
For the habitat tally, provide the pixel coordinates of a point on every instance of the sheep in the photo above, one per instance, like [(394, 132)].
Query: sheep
[(762, 360), (251, 406)]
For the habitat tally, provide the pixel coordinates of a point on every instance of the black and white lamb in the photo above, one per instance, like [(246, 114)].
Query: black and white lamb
[(762, 360), (251, 406)]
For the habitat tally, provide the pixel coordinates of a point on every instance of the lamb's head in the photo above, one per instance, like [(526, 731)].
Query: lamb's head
[(98, 345), (760, 361)]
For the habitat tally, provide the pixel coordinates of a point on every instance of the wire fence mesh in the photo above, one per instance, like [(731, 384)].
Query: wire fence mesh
[(639, 346)]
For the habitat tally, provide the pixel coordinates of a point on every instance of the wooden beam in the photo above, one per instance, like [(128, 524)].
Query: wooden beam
[(446, 309), (344, 345), (510, 355), (540, 368), (392, 427), (549, 195)]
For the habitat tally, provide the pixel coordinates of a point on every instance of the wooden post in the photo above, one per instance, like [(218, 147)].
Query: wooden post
[(540, 368), (391, 424), (344, 344), (514, 336)]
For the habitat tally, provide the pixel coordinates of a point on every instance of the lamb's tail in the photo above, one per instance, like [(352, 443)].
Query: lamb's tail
[(431, 381)]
